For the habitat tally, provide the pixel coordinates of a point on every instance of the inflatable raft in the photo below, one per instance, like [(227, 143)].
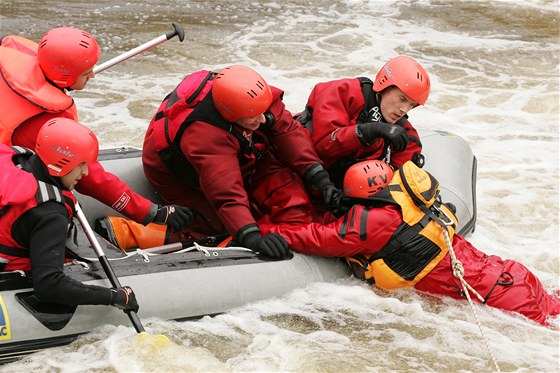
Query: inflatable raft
[(198, 281)]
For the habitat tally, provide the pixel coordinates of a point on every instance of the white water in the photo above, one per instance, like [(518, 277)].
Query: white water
[(494, 68)]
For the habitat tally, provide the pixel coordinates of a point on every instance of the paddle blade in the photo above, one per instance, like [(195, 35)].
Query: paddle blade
[(153, 341)]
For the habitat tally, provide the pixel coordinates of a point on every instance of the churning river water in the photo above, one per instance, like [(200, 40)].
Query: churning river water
[(494, 67)]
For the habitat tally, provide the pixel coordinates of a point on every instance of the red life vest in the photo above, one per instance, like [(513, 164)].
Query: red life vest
[(21, 191), (24, 90), (192, 101)]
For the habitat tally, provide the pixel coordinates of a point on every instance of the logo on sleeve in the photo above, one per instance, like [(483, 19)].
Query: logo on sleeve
[(121, 203)]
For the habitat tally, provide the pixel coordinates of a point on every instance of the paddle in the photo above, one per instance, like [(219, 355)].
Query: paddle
[(109, 270), (177, 30)]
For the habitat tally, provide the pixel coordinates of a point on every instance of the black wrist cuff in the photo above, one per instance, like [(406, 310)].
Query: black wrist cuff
[(361, 138), (312, 171), (244, 231)]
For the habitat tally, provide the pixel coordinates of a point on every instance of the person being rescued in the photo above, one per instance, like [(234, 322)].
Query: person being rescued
[(392, 236), (355, 119), (225, 145), (36, 210)]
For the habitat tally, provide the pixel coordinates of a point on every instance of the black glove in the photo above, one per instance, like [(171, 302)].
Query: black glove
[(271, 245), (337, 206), (175, 216), (394, 134), (124, 299), (331, 195)]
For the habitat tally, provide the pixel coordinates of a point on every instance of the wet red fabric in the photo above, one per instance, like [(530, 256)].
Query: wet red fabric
[(228, 198), (524, 295), (336, 106), (99, 184), (349, 236), (109, 189)]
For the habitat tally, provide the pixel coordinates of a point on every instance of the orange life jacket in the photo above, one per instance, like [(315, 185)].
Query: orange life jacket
[(418, 244), (24, 89)]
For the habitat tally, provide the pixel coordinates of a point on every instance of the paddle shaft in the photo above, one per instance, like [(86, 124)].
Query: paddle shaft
[(177, 30), (106, 265)]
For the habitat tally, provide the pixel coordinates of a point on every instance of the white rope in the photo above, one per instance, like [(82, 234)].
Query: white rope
[(457, 267), (202, 248), (458, 271), (144, 255), (79, 262)]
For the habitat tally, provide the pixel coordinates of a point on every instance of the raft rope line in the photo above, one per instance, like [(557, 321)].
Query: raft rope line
[(458, 271), (206, 250)]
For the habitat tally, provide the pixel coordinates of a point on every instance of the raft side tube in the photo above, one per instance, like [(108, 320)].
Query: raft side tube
[(450, 160)]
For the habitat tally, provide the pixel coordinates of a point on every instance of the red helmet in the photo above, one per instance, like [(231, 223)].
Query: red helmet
[(240, 92), (65, 53), (366, 178), (407, 74), (63, 143)]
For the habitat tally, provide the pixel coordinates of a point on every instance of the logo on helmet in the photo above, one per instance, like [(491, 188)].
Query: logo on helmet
[(388, 71), (380, 185), (62, 70), (366, 178), (64, 152)]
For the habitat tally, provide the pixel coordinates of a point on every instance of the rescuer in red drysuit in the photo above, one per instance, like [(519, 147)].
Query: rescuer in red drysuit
[(355, 119), (224, 145)]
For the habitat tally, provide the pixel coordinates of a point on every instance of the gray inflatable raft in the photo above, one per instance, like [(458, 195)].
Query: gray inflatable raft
[(194, 282)]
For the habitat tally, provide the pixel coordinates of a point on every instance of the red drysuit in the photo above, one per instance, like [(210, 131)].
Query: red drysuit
[(232, 182), (506, 284), (335, 107), (29, 101), (99, 184)]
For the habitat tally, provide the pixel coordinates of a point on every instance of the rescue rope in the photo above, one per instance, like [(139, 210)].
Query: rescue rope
[(458, 271)]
